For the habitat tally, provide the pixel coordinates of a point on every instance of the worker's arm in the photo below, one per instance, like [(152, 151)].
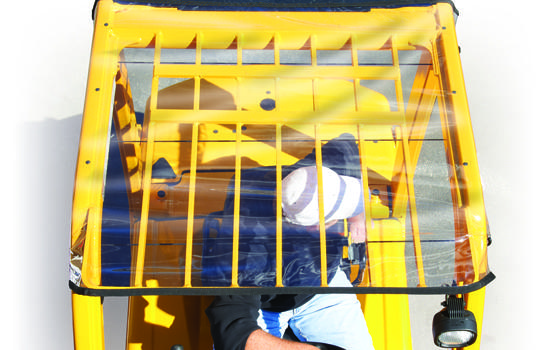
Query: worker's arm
[(260, 340), (234, 327), (232, 320), (357, 228)]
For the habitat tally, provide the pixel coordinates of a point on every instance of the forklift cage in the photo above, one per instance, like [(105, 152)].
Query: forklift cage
[(184, 98)]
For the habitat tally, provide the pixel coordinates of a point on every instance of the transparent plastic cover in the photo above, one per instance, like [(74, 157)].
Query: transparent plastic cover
[(208, 127)]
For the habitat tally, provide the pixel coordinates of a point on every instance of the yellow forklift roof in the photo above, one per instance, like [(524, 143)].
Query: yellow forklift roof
[(195, 121)]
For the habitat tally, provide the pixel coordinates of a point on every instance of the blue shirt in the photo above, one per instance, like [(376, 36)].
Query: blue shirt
[(257, 228)]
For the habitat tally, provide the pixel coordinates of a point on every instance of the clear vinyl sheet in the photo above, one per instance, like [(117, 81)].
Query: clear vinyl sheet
[(204, 133)]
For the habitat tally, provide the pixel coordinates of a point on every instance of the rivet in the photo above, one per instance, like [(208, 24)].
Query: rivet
[(268, 104)]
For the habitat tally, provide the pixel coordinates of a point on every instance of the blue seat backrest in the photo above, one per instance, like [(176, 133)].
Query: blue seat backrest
[(257, 240)]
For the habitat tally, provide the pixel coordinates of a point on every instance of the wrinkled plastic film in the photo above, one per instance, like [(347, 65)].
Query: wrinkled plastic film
[(208, 124)]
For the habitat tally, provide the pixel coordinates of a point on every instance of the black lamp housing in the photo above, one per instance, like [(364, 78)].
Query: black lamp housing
[(454, 327)]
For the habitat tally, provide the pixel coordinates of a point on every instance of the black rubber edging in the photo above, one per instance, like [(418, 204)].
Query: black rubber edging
[(444, 290)]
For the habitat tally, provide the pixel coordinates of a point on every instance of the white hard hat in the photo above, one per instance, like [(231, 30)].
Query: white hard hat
[(342, 196)]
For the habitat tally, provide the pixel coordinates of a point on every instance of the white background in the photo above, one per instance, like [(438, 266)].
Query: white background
[(45, 50)]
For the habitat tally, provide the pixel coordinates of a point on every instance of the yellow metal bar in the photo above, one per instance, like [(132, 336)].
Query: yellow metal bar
[(417, 117), (239, 94), (458, 113), (191, 205), (315, 81), (144, 220), (278, 117), (475, 302), (356, 88), (156, 66), (199, 37), (449, 137), (91, 260), (421, 102), (147, 170), (240, 49), (412, 208), (267, 71), (92, 149), (279, 208), (313, 43), (398, 85), (322, 231), (277, 63), (236, 213), (333, 29), (87, 322), (197, 95), (462, 246), (355, 63), (277, 49), (128, 130), (196, 77), (366, 199), (354, 55), (387, 315)]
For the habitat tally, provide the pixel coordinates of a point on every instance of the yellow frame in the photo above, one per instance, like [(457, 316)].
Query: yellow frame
[(120, 26)]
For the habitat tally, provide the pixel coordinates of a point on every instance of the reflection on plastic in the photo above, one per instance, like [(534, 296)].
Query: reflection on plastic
[(219, 119)]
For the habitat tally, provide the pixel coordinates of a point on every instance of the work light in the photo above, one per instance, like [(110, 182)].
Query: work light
[(454, 327)]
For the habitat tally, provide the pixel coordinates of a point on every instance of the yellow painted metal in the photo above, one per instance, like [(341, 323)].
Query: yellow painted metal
[(322, 230), (88, 199), (467, 188), (333, 90), (156, 74), (417, 116), (279, 209), (87, 322), (161, 321), (363, 153), (191, 205), (237, 210), (408, 168), (144, 220), (387, 315), (398, 84), (273, 117), (90, 162), (91, 259), (257, 31), (128, 130), (160, 115), (475, 302)]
